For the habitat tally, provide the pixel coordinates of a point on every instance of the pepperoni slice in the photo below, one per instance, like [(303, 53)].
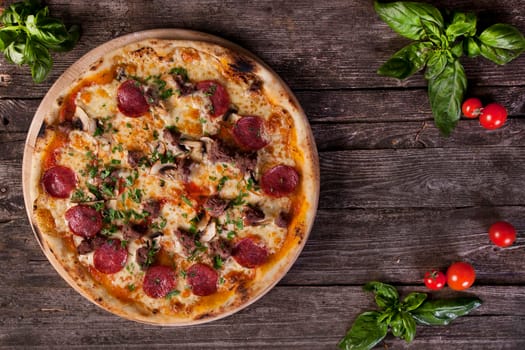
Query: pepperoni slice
[(59, 181), (159, 281), (279, 181), (220, 99), (84, 221), (110, 257), (248, 132), (130, 99), (249, 254), (202, 279)]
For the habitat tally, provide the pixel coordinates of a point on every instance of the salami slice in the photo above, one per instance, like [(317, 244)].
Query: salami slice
[(202, 279), (130, 99), (248, 132), (220, 99), (249, 254), (59, 181), (159, 281), (110, 257), (84, 221), (279, 181)]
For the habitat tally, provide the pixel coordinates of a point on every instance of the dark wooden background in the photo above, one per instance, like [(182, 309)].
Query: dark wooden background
[(396, 197)]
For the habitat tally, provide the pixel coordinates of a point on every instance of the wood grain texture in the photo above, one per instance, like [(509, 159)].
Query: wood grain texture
[(309, 43)]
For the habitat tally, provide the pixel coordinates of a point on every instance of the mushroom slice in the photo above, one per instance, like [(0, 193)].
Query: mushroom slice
[(195, 148), (168, 170), (89, 125), (209, 232)]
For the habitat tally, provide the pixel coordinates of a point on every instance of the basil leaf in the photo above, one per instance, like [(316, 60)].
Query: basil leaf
[(17, 13), (396, 325), (385, 294), (442, 312), (47, 30), (434, 33), (73, 35), (14, 52), (7, 36), (405, 17), (446, 92), (413, 301), (501, 43), (42, 64), (436, 64), (406, 61), (462, 24), (409, 326), (472, 47), (457, 50), (365, 333)]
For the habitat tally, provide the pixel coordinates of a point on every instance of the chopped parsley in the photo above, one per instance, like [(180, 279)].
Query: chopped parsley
[(135, 195), (239, 200), (131, 287), (172, 293), (180, 71), (231, 234), (186, 200), (217, 262), (79, 196), (222, 181)]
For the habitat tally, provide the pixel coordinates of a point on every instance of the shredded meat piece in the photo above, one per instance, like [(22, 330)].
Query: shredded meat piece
[(187, 241), (134, 158), (282, 220), (253, 216), (221, 248), (134, 231), (215, 206)]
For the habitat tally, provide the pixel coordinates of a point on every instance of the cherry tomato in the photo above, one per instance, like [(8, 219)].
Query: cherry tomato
[(493, 116), (435, 280), (502, 234), (460, 276), (472, 107)]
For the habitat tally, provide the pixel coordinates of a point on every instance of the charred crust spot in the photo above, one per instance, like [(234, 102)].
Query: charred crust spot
[(60, 100), (145, 52), (292, 102), (242, 65), (203, 316), (256, 85), (99, 299), (155, 311), (96, 65)]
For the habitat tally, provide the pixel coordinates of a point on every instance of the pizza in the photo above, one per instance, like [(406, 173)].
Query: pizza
[(174, 181)]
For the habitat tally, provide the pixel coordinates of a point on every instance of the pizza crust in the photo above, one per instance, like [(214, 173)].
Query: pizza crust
[(240, 65)]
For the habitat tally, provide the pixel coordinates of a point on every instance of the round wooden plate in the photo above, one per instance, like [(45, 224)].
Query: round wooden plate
[(29, 170)]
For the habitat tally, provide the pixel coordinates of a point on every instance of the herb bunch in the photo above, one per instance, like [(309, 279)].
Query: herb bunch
[(28, 33), (401, 317), (439, 43)]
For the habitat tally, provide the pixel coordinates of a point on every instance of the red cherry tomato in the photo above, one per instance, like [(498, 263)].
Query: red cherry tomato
[(435, 280), (472, 107), (460, 276), (502, 234), (493, 116)]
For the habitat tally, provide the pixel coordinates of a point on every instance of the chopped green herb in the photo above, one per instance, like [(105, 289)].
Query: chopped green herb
[(124, 243), (187, 201), (115, 161), (98, 131), (239, 200), (172, 293), (222, 181), (131, 287), (79, 196), (135, 195), (98, 206), (231, 234), (239, 223), (107, 190), (213, 178), (155, 134), (128, 125), (217, 262), (180, 71), (221, 280), (94, 190), (183, 273), (105, 173)]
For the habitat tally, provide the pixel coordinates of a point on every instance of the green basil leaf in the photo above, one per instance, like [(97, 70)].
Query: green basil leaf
[(42, 64), (462, 24), (49, 31), (385, 294), (404, 17), (501, 43), (442, 312), (413, 301), (365, 333), (14, 52), (72, 39), (436, 64), (396, 325), (434, 33), (406, 61), (457, 50), (17, 13), (409, 326), (7, 36), (472, 47), (446, 92)]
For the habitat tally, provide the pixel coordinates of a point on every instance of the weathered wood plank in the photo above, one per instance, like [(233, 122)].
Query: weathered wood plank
[(352, 247), (332, 53), (332, 106), (303, 318), (452, 177)]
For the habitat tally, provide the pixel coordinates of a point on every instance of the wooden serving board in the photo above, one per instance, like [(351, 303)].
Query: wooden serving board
[(67, 79)]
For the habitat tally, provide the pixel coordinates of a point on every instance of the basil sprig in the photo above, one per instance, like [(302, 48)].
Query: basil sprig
[(440, 42), (28, 33), (401, 317)]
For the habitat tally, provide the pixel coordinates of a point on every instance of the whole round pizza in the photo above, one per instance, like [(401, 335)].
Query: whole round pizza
[(173, 182)]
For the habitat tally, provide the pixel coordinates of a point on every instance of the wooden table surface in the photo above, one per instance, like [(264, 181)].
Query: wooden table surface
[(396, 197)]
